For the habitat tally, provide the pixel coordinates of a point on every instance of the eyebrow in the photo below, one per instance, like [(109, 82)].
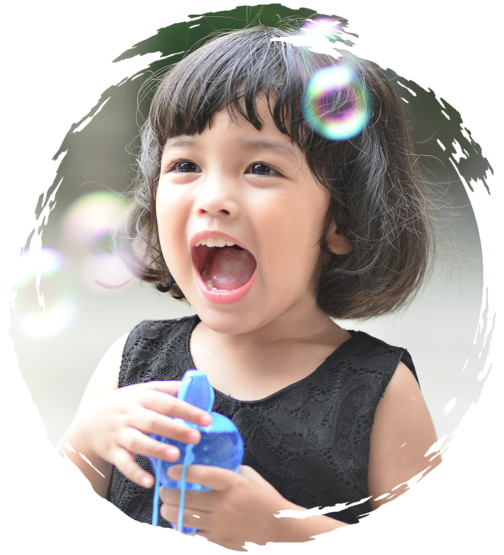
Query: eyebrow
[(255, 144)]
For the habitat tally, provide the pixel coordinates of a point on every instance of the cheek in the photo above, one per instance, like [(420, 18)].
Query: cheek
[(170, 201), (292, 228), (301, 221), (170, 224)]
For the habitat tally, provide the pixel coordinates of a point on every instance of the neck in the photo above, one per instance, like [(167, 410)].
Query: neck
[(300, 323)]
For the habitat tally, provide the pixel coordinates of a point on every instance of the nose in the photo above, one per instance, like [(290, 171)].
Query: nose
[(218, 196)]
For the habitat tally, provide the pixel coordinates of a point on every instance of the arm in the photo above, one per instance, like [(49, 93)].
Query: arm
[(103, 380), (113, 425), (402, 433), (405, 467)]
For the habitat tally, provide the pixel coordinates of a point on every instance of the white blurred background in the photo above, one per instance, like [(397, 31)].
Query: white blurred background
[(58, 347)]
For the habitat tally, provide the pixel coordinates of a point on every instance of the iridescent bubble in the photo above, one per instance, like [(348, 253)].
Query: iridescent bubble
[(91, 217), (336, 103), (88, 227), (54, 309), (104, 272), (323, 26)]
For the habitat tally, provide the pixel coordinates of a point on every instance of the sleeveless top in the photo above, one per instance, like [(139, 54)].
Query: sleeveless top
[(310, 440)]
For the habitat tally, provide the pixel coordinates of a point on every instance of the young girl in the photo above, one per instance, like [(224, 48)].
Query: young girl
[(270, 231)]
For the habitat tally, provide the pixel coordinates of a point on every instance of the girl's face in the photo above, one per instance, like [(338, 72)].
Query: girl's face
[(240, 217)]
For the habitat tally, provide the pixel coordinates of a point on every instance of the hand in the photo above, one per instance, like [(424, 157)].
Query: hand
[(240, 506), (114, 427)]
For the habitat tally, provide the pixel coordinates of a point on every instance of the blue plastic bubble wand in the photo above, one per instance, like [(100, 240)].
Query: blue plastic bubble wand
[(155, 502), (220, 445), (188, 459)]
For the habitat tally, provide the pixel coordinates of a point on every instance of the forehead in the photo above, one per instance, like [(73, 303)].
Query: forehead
[(242, 132), (251, 143)]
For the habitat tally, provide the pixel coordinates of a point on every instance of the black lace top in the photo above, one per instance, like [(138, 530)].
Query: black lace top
[(309, 440)]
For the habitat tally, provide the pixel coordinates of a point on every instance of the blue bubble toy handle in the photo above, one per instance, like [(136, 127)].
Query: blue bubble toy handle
[(196, 390)]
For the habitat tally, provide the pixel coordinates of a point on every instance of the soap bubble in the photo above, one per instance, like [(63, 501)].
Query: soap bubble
[(54, 309), (323, 26), (91, 217), (88, 228), (336, 103), (104, 272)]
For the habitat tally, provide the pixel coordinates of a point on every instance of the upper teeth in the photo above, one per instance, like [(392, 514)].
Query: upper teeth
[(214, 243)]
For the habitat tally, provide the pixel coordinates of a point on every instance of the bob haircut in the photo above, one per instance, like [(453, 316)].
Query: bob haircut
[(379, 201)]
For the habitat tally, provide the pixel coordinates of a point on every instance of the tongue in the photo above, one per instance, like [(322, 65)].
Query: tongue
[(231, 268)]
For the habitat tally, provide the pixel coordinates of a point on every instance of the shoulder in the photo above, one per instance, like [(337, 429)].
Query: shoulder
[(105, 377), (401, 438), (151, 330)]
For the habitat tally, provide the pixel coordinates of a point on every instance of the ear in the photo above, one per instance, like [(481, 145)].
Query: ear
[(337, 242)]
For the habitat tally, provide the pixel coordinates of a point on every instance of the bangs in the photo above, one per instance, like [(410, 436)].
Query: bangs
[(233, 72)]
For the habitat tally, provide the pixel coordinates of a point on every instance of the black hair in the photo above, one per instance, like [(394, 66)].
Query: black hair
[(379, 201)]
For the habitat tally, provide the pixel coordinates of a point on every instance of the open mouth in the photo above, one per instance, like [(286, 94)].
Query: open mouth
[(223, 267)]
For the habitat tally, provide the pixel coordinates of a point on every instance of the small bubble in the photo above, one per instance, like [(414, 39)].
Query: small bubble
[(54, 309), (88, 227), (336, 103)]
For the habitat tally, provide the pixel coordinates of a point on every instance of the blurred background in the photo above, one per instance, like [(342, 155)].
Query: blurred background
[(61, 334)]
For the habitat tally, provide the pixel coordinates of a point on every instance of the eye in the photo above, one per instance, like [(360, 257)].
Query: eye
[(260, 164), (184, 166), (179, 163)]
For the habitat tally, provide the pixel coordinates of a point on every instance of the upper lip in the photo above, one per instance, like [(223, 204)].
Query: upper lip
[(214, 235)]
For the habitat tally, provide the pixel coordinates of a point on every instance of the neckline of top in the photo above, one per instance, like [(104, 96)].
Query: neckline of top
[(329, 360)]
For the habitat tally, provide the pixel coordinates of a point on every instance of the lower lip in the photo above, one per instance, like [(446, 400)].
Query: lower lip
[(222, 296)]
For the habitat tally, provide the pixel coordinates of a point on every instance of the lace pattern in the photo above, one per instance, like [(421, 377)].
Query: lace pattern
[(310, 440)]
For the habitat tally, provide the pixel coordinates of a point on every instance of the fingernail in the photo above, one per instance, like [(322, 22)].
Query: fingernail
[(205, 419), (172, 453), (194, 435)]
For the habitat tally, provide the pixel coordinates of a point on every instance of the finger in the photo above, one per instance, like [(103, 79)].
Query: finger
[(170, 496), (137, 442), (190, 518), (126, 464), (151, 422), (197, 500), (212, 477), (169, 405), (168, 386)]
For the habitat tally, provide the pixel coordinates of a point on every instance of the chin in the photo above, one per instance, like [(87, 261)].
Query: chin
[(225, 323)]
